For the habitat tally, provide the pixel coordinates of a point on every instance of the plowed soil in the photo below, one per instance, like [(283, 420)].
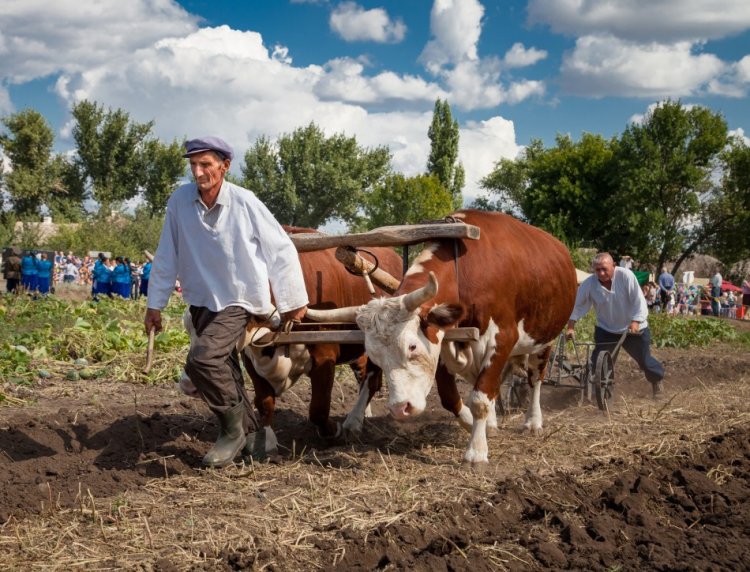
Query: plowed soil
[(102, 475)]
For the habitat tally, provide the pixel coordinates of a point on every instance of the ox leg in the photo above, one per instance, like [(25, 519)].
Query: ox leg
[(265, 403), (450, 399), (371, 380), (265, 396), (483, 398), (537, 366), (321, 380), (360, 368), (492, 419)]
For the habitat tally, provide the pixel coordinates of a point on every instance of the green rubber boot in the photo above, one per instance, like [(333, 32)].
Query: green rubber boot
[(231, 438)]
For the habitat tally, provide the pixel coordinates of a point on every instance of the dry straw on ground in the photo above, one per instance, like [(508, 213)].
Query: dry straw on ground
[(294, 515)]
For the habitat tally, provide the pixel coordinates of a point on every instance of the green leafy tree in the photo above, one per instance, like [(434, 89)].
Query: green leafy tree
[(111, 152), (443, 160), (66, 196), (38, 177), (405, 200), (651, 193), (263, 174), (164, 165), (729, 217), (307, 179), (664, 167), (566, 189)]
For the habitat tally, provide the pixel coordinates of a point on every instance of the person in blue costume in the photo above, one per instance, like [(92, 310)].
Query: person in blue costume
[(121, 278), (129, 290), (145, 275), (29, 273), (44, 274), (103, 277), (95, 275)]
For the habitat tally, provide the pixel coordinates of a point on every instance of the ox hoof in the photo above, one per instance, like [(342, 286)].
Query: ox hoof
[(536, 430), (330, 430), (477, 467), (492, 431), (352, 428)]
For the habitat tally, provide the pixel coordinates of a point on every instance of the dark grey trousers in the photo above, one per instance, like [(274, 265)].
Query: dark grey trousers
[(213, 364), (637, 346)]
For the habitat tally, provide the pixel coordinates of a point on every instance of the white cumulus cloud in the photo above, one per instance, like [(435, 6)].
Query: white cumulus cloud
[(663, 21), (353, 23), (345, 80), (451, 54), (456, 26), (40, 38), (482, 144), (734, 82), (519, 56), (601, 66)]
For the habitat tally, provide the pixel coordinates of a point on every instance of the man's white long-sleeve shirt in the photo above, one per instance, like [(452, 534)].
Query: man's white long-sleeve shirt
[(615, 308), (226, 255)]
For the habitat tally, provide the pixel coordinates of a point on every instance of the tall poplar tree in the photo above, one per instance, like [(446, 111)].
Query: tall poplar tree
[(443, 160)]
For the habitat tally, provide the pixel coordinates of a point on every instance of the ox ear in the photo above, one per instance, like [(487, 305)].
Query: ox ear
[(445, 315)]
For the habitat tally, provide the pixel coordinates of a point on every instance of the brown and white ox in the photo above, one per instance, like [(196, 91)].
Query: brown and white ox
[(517, 284), (275, 369)]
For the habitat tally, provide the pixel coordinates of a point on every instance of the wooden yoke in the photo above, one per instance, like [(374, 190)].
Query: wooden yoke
[(385, 236), (358, 265)]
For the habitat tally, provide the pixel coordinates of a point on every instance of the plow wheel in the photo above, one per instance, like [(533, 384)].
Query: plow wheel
[(604, 380)]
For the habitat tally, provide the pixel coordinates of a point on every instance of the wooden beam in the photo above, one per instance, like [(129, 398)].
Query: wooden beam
[(351, 337), (386, 236)]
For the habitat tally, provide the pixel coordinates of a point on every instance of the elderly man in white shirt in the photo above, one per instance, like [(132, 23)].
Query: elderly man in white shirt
[(225, 247), (620, 305)]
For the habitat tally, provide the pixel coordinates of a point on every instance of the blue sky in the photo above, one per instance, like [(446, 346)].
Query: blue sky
[(511, 70)]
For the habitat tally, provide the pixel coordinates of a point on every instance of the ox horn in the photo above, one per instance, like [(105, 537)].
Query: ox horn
[(348, 314), (414, 300)]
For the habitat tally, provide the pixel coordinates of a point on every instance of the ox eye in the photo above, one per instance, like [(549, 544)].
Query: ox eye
[(412, 348)]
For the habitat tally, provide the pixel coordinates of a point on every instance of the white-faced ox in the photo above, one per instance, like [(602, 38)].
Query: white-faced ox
[(274, 369), (517, 284)]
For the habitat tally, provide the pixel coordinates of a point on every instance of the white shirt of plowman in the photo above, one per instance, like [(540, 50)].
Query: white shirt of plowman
[(615, 308), (226, 255)]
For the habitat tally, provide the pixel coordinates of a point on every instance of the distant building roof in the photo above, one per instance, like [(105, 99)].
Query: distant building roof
[(45, 229)]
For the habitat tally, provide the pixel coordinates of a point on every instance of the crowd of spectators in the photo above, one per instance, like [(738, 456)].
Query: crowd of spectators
[(106, 276), (682, 298)]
